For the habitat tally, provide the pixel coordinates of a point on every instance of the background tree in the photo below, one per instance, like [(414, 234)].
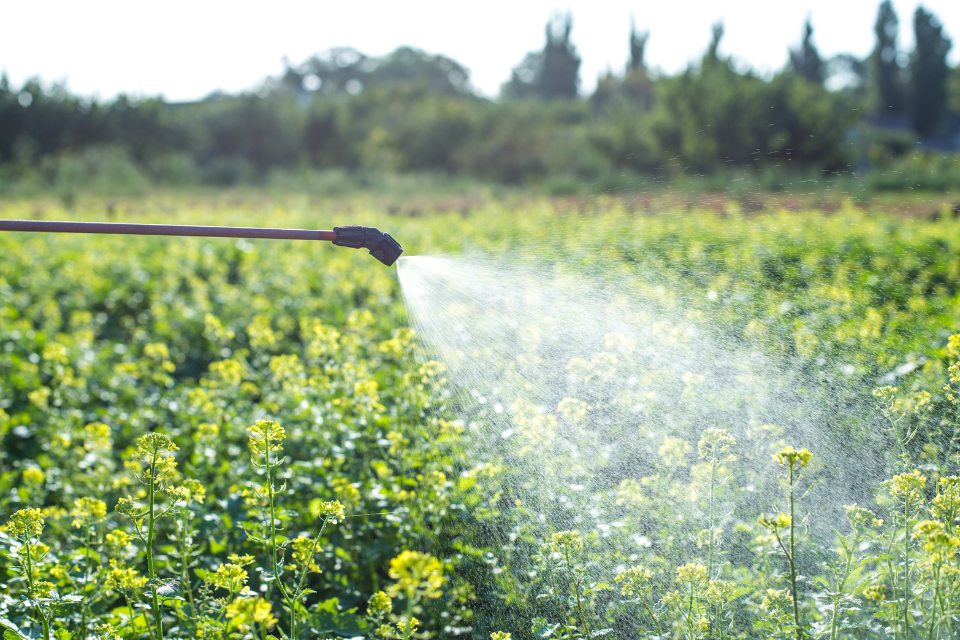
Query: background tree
[(889, 74), (806, 60), (551, 73), (561, 63), (930, 72), (638, 45), (712, 56)]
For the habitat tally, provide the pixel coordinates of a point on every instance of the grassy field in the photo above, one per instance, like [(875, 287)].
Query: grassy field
[(216, 438)]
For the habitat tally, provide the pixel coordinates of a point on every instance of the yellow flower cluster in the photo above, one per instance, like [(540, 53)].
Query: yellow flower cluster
[(379, 605), (566, 542), (231, 577), (633, 580), (87, 511), (792, 458), (25, 524), (692, 573), (303, 551), (248, 611), (266, 435), (120, 578), (776, 522), (907, 486), (331, 511), (416, 574)]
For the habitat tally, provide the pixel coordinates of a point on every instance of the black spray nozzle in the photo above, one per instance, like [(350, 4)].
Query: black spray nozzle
[(381, 245)]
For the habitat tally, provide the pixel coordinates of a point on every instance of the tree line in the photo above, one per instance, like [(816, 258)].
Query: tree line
[(415, 111)]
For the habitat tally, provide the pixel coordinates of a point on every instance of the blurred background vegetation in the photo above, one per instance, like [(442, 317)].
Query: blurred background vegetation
[(890, 122)]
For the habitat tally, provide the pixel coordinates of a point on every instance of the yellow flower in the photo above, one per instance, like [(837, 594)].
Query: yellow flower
[(572, 410), (332, 511), (120, 578), (775, 523), (153, 444), (789, 457), (252, 610), (379, 605), (266, 435), (33, 475), (875, 592), (195, 490), (715, 445), (153, 451), (633, 580), (87, 511), (129, 508), (303, 550), (566, 542), (499, 635), (906, 486), (26, 523), (406, 629), (691, 573), (107, 632), (231, 577), (936, 541), (673, 451), (416, 574), (41, 589), (775, 600), (859, 518), (719, 591), (117, 541), (240, 560), (97, 436)]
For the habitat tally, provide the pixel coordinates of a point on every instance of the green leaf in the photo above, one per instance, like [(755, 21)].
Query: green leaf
[(542, 629), (326, 617), (218, 546), (169, 590), (11, 631)]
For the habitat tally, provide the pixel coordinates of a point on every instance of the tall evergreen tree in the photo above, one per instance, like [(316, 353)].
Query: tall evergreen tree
[(890, 86), (553, 72), (637, 85), (638, 45), (806, 60), (560, 77), (930, 70), (713, 56)]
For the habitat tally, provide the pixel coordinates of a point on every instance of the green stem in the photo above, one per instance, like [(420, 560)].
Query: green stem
[(793, 566), (43, 618), (86, 581), (906, 567), (841, 582), (273, 536), (576, 588), (713, 474), (184, 568), (158, 618), (656, 622), (936, 591)]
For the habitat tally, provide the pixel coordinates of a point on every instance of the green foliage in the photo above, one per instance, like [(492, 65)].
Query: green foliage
[(183, 421), (929, 73)]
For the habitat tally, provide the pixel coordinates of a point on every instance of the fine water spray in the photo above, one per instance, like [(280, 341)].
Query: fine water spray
[(381, 246)]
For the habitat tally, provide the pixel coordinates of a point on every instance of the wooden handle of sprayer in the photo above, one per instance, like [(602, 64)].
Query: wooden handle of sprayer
[(123, 228)]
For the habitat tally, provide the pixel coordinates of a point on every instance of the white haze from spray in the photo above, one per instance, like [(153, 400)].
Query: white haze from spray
[(578, 391)]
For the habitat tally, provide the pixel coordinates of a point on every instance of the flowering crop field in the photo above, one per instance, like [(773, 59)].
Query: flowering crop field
[(242, 439)]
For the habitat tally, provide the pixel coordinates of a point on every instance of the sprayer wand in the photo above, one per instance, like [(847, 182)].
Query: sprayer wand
[(381, 245)]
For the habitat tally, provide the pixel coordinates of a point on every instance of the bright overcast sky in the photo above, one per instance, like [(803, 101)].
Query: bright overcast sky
[(185, 50)]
